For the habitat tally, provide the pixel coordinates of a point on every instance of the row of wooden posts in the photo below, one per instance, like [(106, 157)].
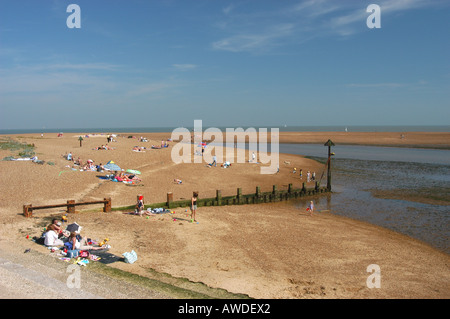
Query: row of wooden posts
[(239, 199)]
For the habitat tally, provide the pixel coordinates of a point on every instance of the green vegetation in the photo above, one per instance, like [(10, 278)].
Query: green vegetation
[(23, 149)]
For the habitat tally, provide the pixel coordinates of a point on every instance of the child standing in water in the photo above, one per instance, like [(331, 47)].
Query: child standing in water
[(194, 205), (310, 208)]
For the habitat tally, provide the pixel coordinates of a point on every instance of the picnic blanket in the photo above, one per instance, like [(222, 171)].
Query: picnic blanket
[(154, 211), (158, 211)]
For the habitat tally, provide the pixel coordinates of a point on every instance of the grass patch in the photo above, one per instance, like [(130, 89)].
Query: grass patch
[(23, 149)]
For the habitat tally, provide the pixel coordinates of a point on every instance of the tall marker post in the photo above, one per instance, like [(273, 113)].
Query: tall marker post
[(329, 143)]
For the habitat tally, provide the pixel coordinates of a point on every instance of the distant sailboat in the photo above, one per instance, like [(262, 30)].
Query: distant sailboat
[(346, 129)]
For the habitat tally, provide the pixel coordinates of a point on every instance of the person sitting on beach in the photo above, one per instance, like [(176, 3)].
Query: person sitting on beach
[(226, 165), (69, 156), (118, 177), (140, 205), (51, 237), (56, 226)]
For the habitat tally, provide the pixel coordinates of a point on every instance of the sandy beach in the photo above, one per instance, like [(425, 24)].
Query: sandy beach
[(263, 251)]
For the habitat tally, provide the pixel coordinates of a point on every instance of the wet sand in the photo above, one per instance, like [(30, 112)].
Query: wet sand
[(264, 251), (438, 140)]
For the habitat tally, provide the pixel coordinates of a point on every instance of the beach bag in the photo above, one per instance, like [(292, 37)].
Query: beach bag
[(130, 257), (72, 253), (40, 240), (68, 245)]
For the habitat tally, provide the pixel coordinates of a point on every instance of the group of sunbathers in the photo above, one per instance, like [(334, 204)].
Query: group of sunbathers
[(124, 177), (88, 166), (103, 147)]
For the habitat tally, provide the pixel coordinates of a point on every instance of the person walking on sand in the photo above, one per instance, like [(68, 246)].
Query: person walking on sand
[(194, 205), (310, 208), (214, 162), (81, 140)]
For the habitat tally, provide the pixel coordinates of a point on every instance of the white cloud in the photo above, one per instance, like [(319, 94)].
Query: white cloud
[(376, 85), (184, 67), (228, 9), (300, 22), (254, 41)]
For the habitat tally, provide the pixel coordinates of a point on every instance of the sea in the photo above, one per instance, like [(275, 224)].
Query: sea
[(281, 128), (358, 174)]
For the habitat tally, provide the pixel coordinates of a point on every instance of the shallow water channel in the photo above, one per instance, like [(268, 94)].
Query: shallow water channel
[(361, 172)]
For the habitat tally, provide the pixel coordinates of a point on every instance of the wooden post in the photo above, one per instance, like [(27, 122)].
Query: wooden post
[(303, 187), (28, 210), (258, 194), (329, 143), (219, 197), (71, 206), (107, 205), (239, 195), (290, 188), (169, 199), (274, 189)]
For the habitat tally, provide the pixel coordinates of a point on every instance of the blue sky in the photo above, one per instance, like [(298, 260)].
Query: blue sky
[(229, 63)]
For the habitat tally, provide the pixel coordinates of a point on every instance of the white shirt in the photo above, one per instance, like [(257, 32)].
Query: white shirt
[(50, 238)]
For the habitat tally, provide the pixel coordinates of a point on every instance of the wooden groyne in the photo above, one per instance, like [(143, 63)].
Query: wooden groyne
[(239, 198)]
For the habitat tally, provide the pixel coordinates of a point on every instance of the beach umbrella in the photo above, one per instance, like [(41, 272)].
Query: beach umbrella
[(133, 171), (74, 228), (111, 166)]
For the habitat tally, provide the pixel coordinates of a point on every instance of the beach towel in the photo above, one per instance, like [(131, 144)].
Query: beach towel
[(158, 210)]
